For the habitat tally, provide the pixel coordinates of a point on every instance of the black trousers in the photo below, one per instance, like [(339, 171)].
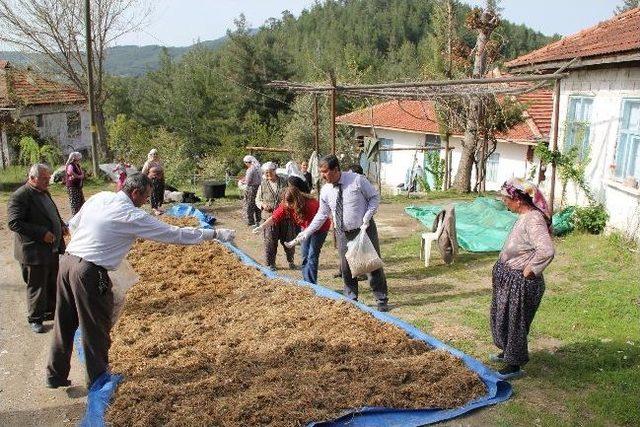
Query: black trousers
[(41, 289), (377, 278), (84, 299)]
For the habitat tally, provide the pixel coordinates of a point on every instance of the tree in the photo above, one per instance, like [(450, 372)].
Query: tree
[(447, 59), (484, 22), (627, 5), (55, 29)]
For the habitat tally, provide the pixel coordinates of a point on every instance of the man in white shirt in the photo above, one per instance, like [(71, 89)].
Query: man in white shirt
[(102, 234), (353, 201)]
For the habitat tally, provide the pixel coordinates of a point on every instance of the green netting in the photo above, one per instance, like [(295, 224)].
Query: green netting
[(562, 221), (484, 224), (481, 225)]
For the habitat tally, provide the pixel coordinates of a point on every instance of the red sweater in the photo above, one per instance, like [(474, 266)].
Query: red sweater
[(310, 209)]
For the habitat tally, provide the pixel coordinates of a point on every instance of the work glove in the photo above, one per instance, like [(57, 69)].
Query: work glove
[(225, 234), (258, 230), (299, 239), (364, 226)]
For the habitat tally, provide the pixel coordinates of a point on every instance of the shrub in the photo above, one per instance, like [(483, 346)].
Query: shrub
[(31, 152), (592, 218), (212, 168)]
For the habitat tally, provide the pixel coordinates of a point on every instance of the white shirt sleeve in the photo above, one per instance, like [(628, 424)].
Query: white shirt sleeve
[(324, 212), (147, 227), (372, 197)]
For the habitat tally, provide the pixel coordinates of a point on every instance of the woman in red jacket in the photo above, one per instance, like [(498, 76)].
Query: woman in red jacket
[(302, 208)]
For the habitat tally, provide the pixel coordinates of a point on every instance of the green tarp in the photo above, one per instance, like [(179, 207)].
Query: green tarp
[(481, 225), (484, 224)]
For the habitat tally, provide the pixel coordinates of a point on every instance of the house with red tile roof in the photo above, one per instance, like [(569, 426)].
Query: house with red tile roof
[(58, 111), (599, 111), (410, 124)]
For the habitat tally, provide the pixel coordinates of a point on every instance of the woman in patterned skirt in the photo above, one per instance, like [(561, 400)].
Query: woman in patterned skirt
[(518, 283), (74, 178)]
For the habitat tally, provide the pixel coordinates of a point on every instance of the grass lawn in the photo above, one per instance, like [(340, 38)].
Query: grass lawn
[(584, 342)]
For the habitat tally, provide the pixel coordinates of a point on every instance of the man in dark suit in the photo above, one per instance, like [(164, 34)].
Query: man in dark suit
[(38, 241)]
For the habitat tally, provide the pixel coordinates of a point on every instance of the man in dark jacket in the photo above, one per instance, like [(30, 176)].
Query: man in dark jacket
[(38, 241)]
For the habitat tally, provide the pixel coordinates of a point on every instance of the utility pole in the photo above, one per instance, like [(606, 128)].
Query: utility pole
[(92, 125)]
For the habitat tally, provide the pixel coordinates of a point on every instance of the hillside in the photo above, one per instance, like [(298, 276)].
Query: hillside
[(127, 60)]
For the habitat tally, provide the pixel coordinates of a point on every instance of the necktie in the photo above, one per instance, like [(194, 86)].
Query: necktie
[(339, 210)]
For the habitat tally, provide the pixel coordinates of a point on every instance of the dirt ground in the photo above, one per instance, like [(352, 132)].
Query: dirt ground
[(25, 401)]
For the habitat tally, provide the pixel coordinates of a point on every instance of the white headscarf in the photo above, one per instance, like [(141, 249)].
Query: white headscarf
[(74, 155), (269, 166), (293, 169), (250, 159), (153, 152)]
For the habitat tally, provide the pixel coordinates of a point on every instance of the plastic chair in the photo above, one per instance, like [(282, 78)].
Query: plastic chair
[(427, 240)]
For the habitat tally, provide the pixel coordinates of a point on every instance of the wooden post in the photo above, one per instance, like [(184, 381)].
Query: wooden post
[(92, 123), (446, 163), (333, 120), (554, 142), (316, 125)]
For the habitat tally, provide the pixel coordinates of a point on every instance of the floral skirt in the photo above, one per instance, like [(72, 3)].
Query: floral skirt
[(513, 305), (76, 199)]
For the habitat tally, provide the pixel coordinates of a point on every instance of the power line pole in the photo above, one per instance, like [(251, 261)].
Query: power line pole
[(92, 125)]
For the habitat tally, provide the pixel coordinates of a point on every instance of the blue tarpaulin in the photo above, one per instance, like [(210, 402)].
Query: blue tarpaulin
[(497, 389), (184, 209)]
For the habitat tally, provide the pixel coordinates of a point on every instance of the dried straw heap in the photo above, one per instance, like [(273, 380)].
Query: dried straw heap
[(206, 340)]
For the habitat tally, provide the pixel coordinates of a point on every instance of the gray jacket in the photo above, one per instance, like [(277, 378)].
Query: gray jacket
[(28, 218)]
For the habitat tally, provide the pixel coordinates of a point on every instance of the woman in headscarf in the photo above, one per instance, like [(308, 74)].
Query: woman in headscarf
[(268, 198), (252, 180), (518, 283), (154, 170), (74, 179), (301, 207)]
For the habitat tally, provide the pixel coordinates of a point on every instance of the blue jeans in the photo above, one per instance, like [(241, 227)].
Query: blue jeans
[(310, 256)]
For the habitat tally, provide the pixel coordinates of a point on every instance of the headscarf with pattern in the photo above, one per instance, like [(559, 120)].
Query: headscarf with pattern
[(527, 188)]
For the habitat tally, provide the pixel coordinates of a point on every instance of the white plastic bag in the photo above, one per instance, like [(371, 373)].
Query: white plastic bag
[(362, 256), (122, 280)]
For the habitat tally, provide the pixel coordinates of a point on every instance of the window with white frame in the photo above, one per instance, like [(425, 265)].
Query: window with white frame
[(492, 167), (386, 156), (578, 125), (628, 147)]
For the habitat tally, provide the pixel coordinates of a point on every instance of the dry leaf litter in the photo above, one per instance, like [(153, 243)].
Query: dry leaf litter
[(206, 340)]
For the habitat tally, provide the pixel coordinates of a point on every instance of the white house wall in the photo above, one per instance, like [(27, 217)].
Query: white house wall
[(512, 162), (513, 157), (608, 88), (54, 125)]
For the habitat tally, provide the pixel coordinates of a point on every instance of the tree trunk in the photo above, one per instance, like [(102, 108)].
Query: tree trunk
[(485, 24), (103, 148)]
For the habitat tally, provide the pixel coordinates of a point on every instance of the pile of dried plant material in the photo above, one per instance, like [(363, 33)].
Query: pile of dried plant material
[(206, 340)]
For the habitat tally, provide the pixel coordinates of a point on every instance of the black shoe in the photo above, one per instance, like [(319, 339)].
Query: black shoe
[(272, 267), (36, 327), (510, 372), (53, 382), (383, 307), (292, 266), (49, 315), (251, 224), (338, 274)]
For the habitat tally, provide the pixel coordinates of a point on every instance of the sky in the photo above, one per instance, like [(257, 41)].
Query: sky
[(181, 22)]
